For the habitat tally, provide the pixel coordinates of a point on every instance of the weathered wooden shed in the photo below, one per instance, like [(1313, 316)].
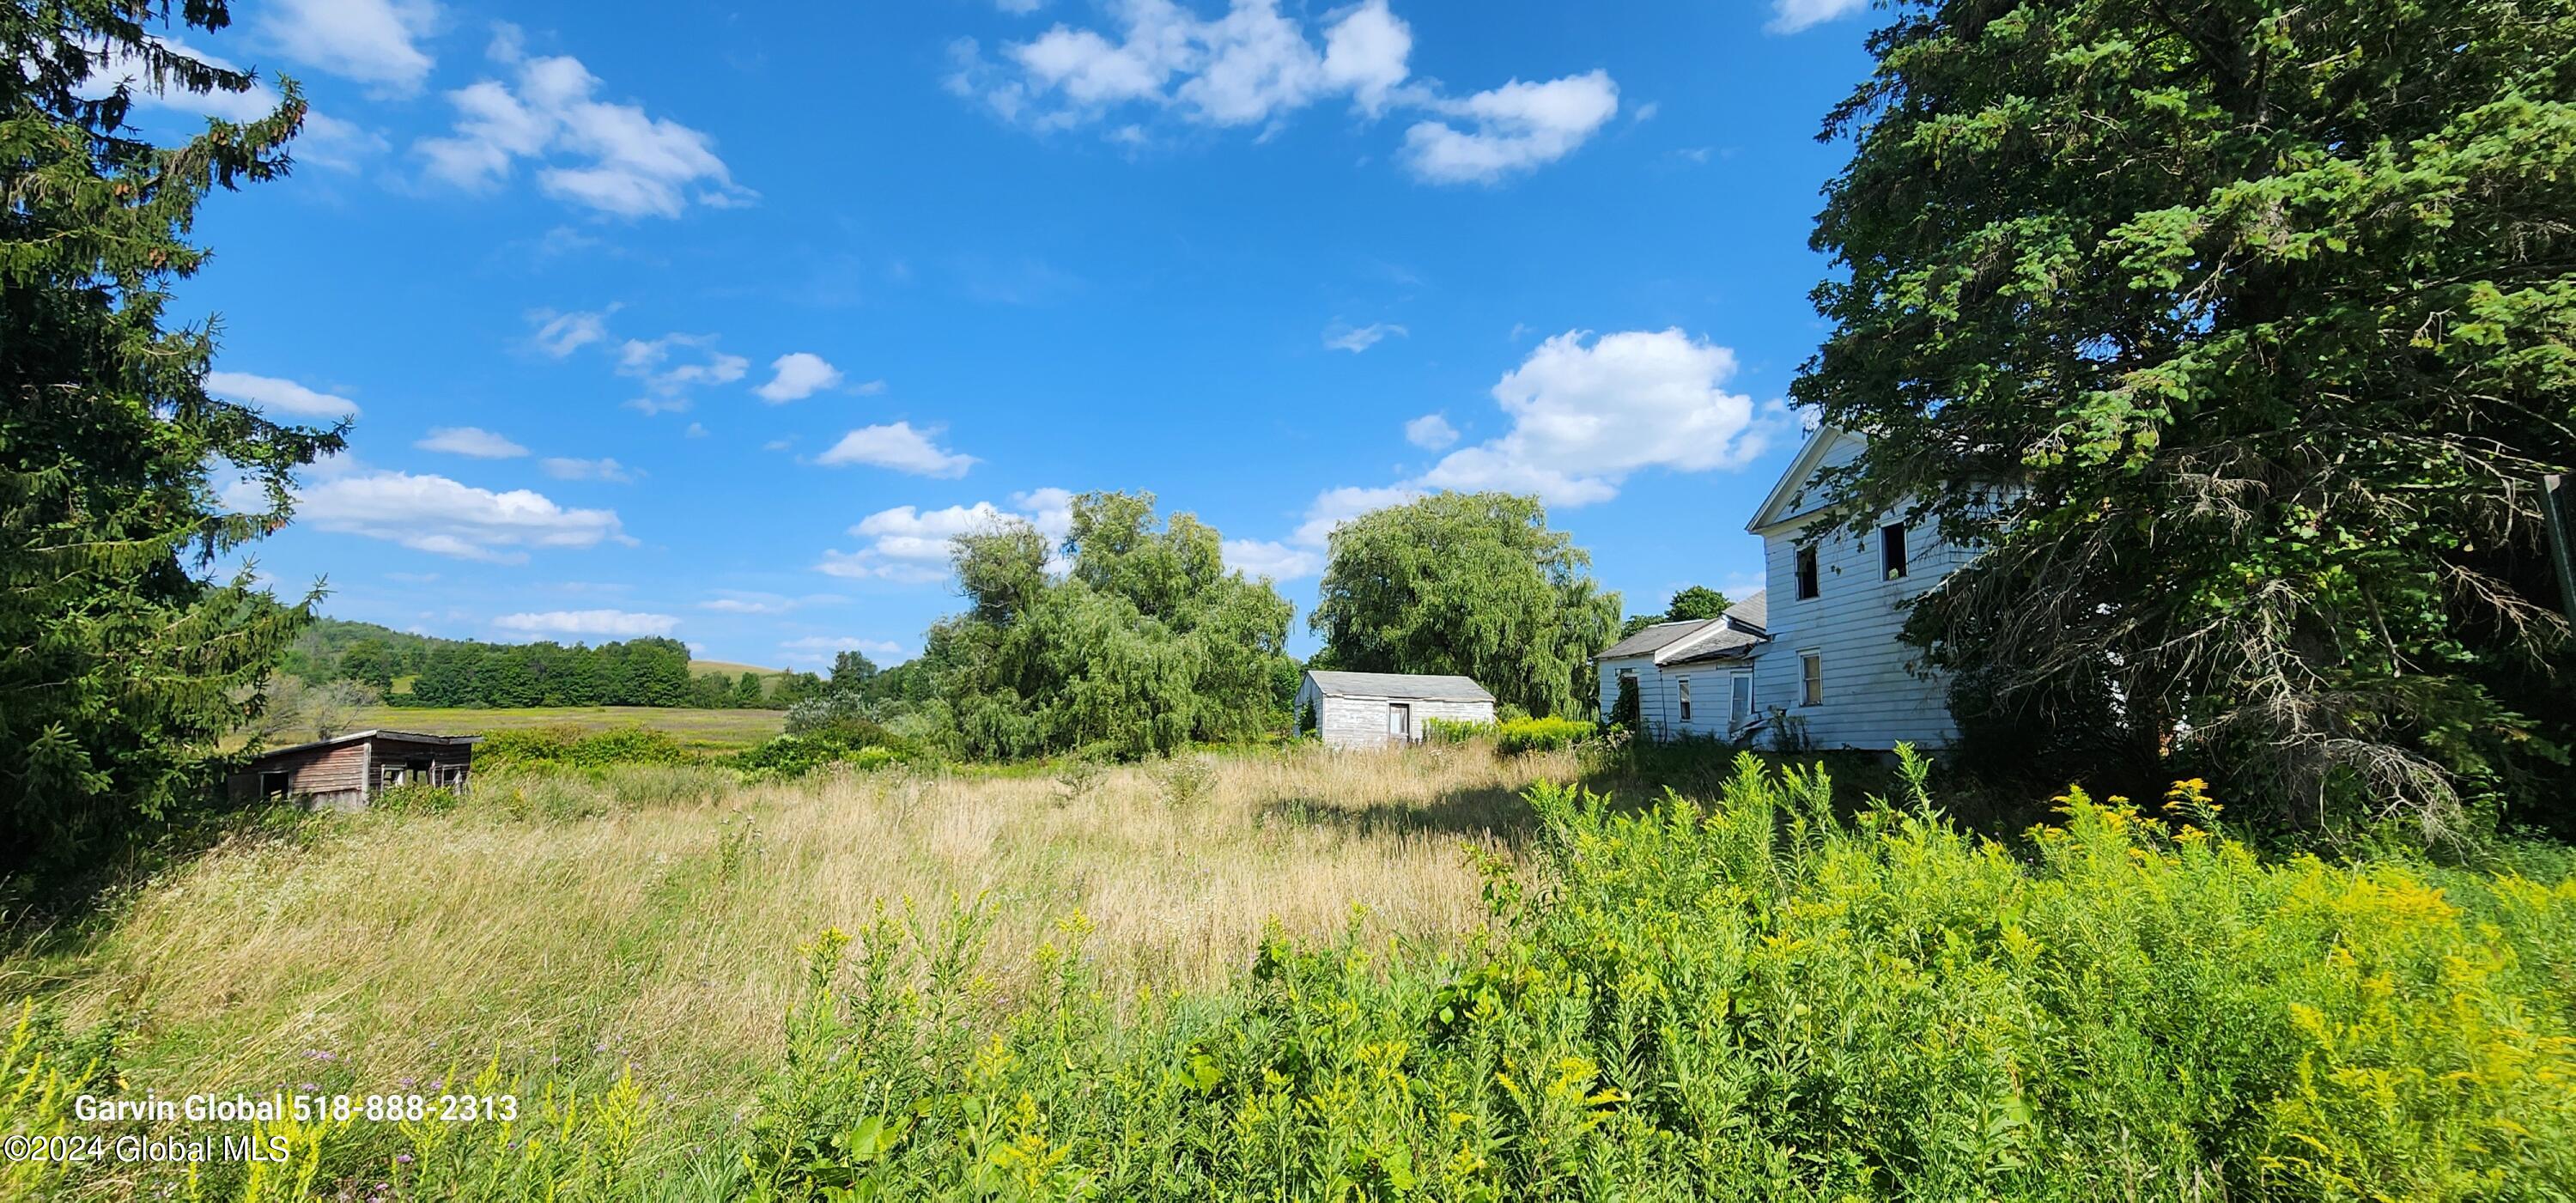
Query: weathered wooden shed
[(346, 771), (1378, 710)]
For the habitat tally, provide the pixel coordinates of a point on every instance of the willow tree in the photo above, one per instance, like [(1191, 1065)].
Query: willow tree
[(2240, 334), (120, 661), (1472, 584), (1146, 642)]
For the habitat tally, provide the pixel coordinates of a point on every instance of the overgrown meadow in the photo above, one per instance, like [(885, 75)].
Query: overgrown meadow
[(1304, 975)]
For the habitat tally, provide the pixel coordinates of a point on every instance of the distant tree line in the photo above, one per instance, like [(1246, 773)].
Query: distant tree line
[(455, 672)]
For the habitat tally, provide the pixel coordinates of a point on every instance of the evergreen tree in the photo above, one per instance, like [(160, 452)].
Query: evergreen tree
[(2237, 335), (120, 664), (746, 692)]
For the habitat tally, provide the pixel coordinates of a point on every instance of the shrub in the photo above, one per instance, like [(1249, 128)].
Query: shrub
[(574, 747), (1454, 731), (792, 756), (1754, 1000), (1539, 735)]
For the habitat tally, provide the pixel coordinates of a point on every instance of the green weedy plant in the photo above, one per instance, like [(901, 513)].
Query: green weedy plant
[(1539, 735), (1753, 999), (1455, 731), (1187, 780)]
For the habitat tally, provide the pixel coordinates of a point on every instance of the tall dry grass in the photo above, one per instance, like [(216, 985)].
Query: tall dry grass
[(572, 927)]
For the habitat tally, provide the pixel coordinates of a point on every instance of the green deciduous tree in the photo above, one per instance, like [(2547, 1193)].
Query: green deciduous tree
[(1473, 584), (120, 663), (2237, 334), (1697, 602), (1145, 644)]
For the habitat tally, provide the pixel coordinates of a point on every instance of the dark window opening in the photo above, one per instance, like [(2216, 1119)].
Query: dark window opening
[(1685, 698), (1806, 573), (1891, 550), (273, 785)]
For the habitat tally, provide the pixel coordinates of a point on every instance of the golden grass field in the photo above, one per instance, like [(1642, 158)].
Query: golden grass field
[(570, 927), (708, 729)]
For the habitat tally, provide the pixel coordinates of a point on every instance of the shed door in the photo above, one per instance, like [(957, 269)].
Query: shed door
[(1399, 722)]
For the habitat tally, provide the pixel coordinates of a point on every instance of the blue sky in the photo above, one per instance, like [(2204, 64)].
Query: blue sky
[(663, 319)]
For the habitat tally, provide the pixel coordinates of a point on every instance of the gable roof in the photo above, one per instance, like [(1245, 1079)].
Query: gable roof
[(1787, 499), (409, 737), (1729, 644), (1692, 637), (1657, 637), (1754, 611), (1418, 687)]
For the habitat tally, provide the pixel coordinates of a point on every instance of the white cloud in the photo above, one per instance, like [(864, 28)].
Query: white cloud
[(470, 440), (1365, 53), (1254, 66), (1586, 414), (741, 601), (1333, 507), (438, 515), (561, 334), (909, 545), (1278, 561), (900, 447), (327, 141), (609, 157), (668, 383), (1646, 112), (798, 375), (1431, 432), (375, 42), (1791, 16), (622, 624), (270, 395), (696, 430), (820, 649), (1019, 8), (1516, 127), (1358, 339), (119, 67), (609, 470), (1248, 67)]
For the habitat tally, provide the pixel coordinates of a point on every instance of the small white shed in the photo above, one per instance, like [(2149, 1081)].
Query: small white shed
[(1378, 710)]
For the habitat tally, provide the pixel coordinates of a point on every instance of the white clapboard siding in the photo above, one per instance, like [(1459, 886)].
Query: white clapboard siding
[(1361, 722), (1659, 695), (1873, 695)]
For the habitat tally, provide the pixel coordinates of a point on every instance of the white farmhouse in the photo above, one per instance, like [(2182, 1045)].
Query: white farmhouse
[(1819, 656), (1377, 710), (1693, 677)]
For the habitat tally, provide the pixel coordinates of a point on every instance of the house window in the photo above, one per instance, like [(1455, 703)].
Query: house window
[(1684, 684), (1399, 721), (1739, 707), (451, 775), (1891, 550), (1806, 573), (1811, 677), (393, 776), (272, 785)]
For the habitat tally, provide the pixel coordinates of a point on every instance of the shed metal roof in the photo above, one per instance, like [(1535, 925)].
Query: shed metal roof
[(414, 737), (1415, 686)]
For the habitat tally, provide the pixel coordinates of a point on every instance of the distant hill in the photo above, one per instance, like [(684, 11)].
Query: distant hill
[(731, 669), (316, 654)]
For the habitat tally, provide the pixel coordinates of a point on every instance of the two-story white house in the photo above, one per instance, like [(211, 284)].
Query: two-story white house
[(1819, 657)]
